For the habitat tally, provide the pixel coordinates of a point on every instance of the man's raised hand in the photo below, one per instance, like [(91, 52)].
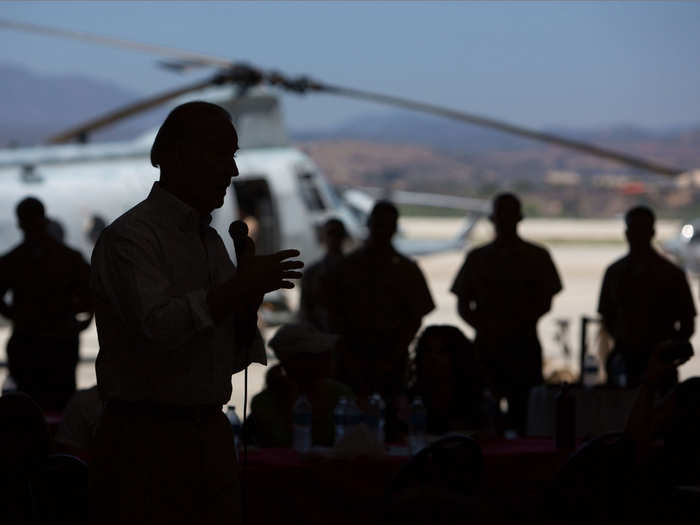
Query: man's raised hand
[(266, 273)]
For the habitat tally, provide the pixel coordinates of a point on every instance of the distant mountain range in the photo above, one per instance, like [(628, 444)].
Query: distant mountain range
[(33, 106), (678, 145)]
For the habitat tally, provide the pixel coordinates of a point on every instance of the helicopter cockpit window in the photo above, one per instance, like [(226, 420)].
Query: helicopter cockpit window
[(309, 192)]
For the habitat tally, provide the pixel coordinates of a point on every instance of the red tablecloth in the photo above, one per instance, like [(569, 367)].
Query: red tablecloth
[(282, 485)]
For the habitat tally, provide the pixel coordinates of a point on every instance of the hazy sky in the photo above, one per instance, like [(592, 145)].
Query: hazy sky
[(536, 64)]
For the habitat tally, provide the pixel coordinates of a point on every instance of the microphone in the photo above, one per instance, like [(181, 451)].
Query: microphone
[(238, 230)]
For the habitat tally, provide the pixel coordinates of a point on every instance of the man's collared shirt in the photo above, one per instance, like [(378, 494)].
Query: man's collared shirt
[(642, 300), (375, 294), (505, 279), (152, 269)]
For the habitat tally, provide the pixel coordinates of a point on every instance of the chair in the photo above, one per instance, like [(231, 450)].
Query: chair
[(438, 485), (453, 462), (61, 490), (600, 482)]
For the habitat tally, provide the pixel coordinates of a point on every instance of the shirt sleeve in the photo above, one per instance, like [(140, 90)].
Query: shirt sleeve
[(128, 274), (462, 284), (605, 306), (552, 281), (4, 284), (421, 300), (684, 297), (83, 296), (225, 269)]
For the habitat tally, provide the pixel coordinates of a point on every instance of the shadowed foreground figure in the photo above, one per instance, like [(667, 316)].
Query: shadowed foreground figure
[(645, 299), (50, 284), (503, 288), (379, 299), (175, 320), (649, 473)]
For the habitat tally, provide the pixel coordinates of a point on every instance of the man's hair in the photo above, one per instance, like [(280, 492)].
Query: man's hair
[(383, 207), (643, 213), (29, 208), (184, 123), (335, 226), (507, 202)]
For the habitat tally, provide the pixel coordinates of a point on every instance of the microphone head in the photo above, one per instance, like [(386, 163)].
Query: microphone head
[(238, 229)]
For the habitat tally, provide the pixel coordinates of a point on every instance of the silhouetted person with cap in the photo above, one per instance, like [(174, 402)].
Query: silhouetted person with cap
[(315, 285), (503, 288), (378, 302), (50, 285), (306, 357), (644, 300), (175, 319)]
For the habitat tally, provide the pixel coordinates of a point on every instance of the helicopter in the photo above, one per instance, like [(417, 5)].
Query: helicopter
[(87, 185)]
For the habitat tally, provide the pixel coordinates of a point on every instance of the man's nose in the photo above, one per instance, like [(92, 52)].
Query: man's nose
[(235, 169)]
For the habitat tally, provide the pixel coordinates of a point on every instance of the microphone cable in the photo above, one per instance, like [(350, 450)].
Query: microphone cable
[(238, 230)]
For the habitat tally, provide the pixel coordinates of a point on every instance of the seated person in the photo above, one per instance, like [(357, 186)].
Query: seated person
[(306, 361), (446, 377), (630, 477), (671, 419), (79, 424)]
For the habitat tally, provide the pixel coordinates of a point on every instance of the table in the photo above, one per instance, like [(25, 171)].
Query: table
[(599, 410), (282, 485)]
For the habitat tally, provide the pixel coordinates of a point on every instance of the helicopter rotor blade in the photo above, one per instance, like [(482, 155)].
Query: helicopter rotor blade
[(242, 75), (583, 147), (112, 117), (247, 75), (188, 56)]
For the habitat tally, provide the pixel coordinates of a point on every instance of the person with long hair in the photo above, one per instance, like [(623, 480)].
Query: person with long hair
[(445, 374)]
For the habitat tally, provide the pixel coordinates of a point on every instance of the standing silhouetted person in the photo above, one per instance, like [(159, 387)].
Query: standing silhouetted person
[(503, 288), (175, 320), (379, 299), (50, 284), (315, 285), (645, 299)]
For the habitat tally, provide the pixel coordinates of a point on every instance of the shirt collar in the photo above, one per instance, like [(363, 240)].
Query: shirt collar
[(176, 212)]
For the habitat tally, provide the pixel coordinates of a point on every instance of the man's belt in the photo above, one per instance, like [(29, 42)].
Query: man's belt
[(162, 410)]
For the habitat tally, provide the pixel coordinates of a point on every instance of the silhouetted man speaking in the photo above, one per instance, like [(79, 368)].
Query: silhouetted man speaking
[(175, 320)]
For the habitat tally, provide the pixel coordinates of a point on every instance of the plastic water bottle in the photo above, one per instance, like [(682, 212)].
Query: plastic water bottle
[(621, 379), (235, 426), (353, 415), (617, 370), (339, 417), (565, 418), (301, 432), (590, 370), (419, 423), (375, 416), (9, 385)]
